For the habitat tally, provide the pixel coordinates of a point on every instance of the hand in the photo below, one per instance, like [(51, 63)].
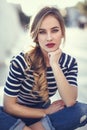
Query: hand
[(59, 102), (55, 106), (54, 56)]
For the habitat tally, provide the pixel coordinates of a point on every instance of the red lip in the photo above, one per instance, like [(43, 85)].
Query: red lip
[(50, 45)]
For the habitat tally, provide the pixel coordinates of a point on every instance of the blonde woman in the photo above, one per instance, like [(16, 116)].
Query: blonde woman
[(36, 75)]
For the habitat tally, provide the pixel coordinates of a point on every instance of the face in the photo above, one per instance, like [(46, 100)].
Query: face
[(50, 34)]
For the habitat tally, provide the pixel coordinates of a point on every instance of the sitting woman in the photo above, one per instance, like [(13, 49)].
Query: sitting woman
[(36, 75)]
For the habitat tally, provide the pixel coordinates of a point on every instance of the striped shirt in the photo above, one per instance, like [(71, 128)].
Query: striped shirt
[(19, 85)]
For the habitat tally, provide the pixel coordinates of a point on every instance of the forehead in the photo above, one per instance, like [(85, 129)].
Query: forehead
[(49, 21)]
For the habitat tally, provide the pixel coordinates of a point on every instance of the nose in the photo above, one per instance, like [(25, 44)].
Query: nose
[(49, 37)]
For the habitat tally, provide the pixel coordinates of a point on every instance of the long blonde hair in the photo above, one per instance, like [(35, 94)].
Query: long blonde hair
[(35, 57)]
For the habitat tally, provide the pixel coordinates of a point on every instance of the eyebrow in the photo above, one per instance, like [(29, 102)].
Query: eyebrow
[(51, 28)]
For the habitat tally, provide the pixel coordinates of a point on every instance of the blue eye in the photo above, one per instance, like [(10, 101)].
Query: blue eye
[(55, 30), (42, 32)]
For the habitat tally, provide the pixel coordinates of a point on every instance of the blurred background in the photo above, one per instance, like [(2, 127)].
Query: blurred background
[(15, 16), (14, 37)]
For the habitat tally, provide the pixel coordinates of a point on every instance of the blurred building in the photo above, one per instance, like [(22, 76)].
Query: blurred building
[(10, 29), (82, 21), (12, 24), (72, 17), (76, 16), (24, 19)]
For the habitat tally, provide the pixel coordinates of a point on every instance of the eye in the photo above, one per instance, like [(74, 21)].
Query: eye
[(42, 31), (55, 30)]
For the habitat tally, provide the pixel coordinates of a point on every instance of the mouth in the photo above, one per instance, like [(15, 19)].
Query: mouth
[(50, 45)]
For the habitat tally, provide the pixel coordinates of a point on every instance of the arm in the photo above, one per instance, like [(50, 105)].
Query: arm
[(12, 89), (12, 107), (67, 92)]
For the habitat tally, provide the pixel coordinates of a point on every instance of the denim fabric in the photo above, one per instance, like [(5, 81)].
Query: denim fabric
[(19, 125), (47, 123), (69, 118), (7, 121)]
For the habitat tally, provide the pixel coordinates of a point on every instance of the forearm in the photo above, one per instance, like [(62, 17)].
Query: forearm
[(23, 111), (67, 92), (12, 107)]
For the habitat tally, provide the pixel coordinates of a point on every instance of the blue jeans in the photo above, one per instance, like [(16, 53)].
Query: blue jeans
[(9, 122), (68, 118)]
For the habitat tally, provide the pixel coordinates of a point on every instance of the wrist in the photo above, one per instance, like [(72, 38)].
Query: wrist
[(54, 64), (43, 113)]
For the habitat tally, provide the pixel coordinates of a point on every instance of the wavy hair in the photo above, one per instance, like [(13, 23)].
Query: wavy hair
[(35, 57)]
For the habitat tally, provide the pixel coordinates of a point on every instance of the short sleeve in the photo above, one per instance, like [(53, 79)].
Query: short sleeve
[(15, 76), (72, 72)]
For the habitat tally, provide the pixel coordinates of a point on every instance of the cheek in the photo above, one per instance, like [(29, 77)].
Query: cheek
[(59, 36), (41, 39)]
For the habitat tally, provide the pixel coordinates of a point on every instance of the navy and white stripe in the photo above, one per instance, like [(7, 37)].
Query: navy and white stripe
[(19, 85)]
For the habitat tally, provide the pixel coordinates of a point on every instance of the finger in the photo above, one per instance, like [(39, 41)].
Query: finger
[(58, 102)]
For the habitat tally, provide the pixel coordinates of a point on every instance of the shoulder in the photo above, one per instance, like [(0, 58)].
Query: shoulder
[(18, 65), (67, 60), (19, 60)]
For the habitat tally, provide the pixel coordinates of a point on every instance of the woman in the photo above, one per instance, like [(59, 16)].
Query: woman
[(36, 75)]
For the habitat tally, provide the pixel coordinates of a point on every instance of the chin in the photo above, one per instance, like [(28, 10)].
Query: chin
[(52, 50)]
